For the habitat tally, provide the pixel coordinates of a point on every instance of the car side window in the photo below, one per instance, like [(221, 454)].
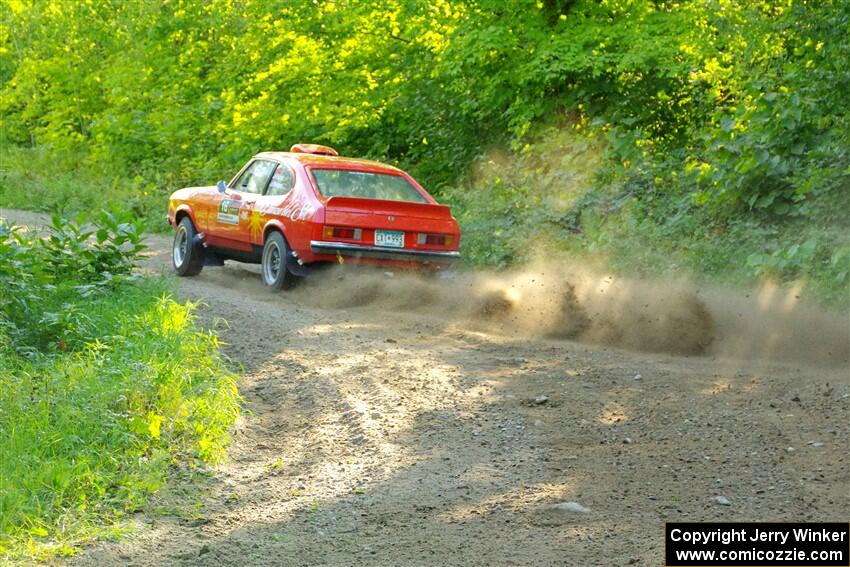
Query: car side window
[(242, 182), (256, 177), (281, 182)]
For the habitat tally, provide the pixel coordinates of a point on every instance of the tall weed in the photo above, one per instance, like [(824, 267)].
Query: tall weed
[(106, 385)]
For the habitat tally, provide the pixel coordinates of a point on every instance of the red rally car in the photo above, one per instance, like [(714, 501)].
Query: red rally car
[(293, 211)]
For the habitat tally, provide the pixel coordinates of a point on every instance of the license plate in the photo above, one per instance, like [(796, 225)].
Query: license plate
[(389, 238)]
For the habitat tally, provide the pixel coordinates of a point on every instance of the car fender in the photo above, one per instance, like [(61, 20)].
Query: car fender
[(179, 211), (273, 224), (292, 261)]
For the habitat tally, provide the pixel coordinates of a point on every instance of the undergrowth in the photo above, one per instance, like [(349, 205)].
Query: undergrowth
[(106, 385), (557, 194), (38, 179)]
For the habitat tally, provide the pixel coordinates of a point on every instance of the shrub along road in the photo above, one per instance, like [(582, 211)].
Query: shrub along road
[(382, 432)]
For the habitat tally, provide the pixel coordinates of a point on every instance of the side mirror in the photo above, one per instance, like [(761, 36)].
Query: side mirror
[(222, 186)]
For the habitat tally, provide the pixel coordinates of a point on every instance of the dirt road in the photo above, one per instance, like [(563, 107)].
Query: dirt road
[(395, 421)]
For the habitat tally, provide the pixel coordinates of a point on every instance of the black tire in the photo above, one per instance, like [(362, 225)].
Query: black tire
[(273, 266), (186, 257)]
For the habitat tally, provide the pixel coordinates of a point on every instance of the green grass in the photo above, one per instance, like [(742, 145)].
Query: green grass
[(39, 179), (108, 389)]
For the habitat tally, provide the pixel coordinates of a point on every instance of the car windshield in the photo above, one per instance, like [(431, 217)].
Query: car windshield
[(365, 185)]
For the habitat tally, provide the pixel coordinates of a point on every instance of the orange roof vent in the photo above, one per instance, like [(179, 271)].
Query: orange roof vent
[(313, 149)]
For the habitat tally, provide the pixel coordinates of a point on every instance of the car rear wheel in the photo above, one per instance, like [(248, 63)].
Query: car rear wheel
[(186, 255), (275, 275)]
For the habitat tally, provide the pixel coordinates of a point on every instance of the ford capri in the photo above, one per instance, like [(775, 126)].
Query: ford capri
[(292, 212)]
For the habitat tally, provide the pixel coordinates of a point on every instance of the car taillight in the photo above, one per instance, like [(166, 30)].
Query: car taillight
[(342, 232), (435, 239)]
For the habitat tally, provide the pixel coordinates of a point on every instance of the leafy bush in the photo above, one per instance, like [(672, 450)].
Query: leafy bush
[(516, 206), (547, 199), (47, 275), (105, 384)]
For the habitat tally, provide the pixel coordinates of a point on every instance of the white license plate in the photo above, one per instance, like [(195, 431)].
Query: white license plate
[(389, 238)]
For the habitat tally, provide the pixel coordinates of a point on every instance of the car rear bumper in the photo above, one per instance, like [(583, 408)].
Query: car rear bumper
[(383, 252)]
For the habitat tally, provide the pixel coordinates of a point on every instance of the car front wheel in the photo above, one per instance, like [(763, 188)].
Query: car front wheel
[(275, 275), (186, 255)]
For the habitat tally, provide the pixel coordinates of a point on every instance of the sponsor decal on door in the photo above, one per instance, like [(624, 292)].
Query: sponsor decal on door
[(228, 211)]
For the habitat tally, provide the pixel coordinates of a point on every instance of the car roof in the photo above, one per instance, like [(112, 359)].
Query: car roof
[(317, 159)]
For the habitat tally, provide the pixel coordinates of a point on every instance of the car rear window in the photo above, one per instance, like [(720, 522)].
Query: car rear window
[(366, 185)]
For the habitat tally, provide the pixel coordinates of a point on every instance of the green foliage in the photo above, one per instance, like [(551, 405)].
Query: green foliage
[(562, 209), (105, 383), (45, 275), (779, 143), (43, 180), (727, 114), (516, 206)]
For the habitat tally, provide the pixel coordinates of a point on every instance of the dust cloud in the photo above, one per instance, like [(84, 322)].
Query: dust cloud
[(566, 301)]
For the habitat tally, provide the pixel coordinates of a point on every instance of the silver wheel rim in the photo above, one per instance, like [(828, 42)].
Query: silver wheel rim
[(271, 262), (181, 246)]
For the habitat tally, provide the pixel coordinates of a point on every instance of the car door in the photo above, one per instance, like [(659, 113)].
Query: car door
[(272, 203), (230, 222)]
